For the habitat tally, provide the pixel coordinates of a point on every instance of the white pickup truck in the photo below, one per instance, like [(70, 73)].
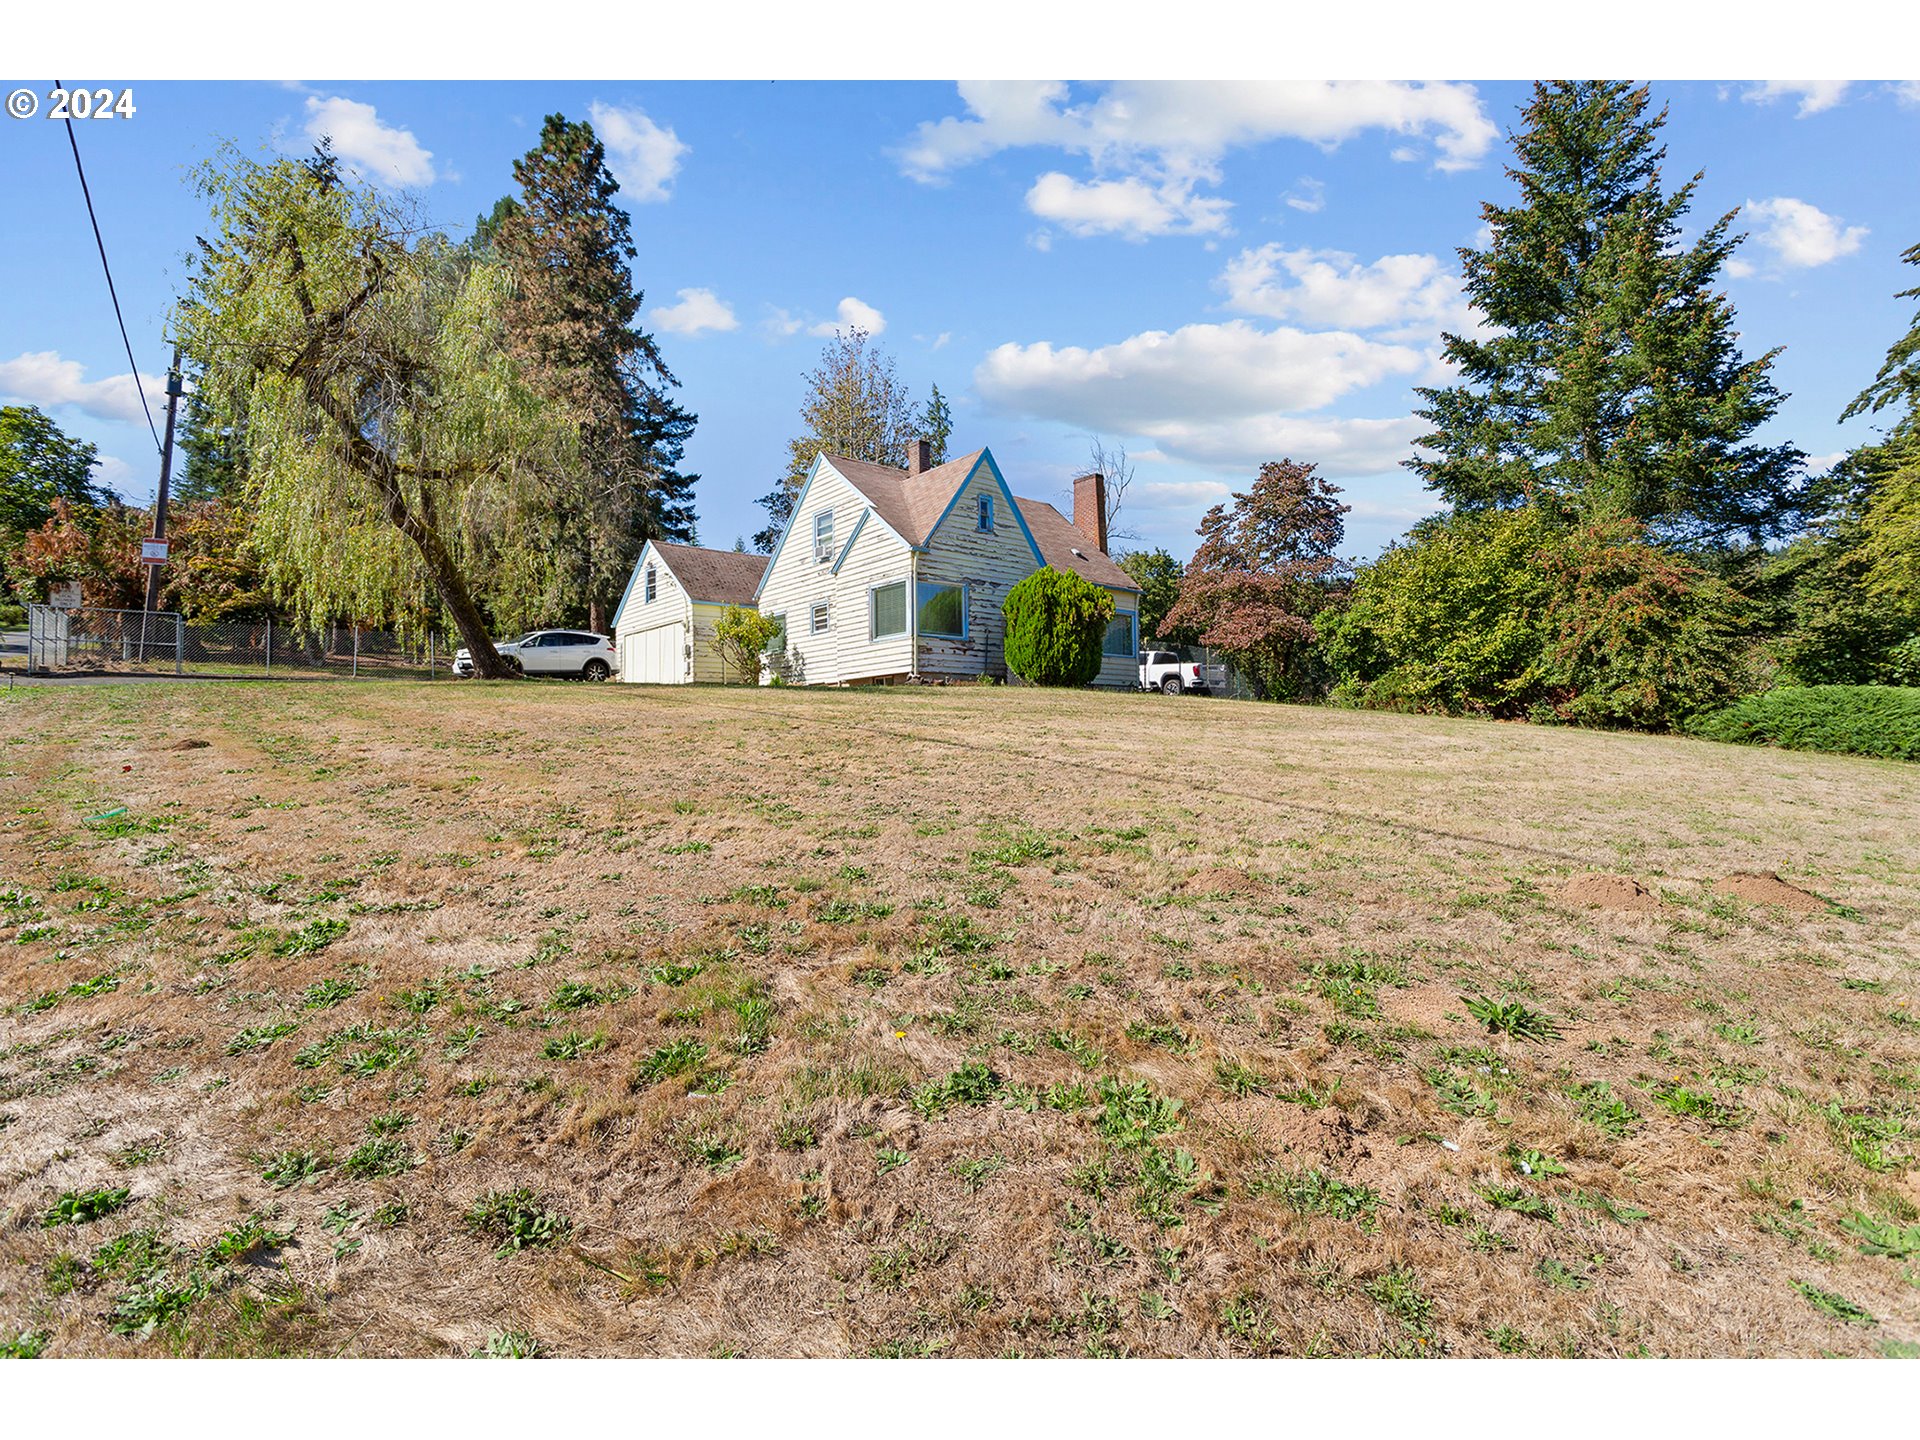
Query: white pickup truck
[(1166, 672)]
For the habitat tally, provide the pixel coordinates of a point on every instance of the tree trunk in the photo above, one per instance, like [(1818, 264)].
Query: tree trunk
[(597, 616), (445, 575)]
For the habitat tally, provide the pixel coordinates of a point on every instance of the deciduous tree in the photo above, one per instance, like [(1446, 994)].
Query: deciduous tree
[(392, 443), (856, 406), (742, 635), (1264, 569), (1158, 575), (39, 465)]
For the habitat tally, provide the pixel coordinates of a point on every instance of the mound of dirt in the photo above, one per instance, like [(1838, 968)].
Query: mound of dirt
[(1614, 892), (1766, 888), (1221, 881), (188, 745)]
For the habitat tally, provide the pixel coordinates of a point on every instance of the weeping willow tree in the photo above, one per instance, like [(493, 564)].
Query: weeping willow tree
[(393, 447)]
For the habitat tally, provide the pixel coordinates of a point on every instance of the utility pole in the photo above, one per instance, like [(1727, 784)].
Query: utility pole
[(166, 473)]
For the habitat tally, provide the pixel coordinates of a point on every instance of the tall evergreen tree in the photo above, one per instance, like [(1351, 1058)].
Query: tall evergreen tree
[(212, 457), (856, 406), (571, 326), (936, 424), (1898, 383), (1609, 384)]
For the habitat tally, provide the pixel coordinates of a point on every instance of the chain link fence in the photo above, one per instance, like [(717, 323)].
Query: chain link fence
[(88, 640)]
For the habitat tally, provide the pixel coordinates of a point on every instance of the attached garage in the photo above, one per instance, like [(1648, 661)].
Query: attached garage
[(664, 626), (655, 657)]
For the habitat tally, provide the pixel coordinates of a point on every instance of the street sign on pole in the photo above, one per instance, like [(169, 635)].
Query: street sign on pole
[(65, 595), (153, 552)]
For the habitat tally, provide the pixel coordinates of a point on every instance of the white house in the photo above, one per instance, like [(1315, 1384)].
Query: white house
[(664, 626), (885, 574)]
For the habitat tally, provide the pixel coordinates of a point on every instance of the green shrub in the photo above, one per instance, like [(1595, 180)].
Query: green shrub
[(1452, 621), (1639, 636), (1056, 622), (1513, 614), (1881, 720), (12, 617)]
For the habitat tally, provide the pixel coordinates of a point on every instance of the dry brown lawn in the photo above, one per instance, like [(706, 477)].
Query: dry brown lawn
[(966, 1022)]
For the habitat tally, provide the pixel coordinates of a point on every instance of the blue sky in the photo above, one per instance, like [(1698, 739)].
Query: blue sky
[(1211, 274)]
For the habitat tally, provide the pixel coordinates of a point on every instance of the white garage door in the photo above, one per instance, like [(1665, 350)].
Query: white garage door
[(655, 657)]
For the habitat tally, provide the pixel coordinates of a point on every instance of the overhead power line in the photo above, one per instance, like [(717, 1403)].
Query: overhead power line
[(145, 409)]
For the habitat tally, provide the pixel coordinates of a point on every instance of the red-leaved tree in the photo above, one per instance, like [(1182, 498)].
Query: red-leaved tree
[(1264, 569), (100, 549)]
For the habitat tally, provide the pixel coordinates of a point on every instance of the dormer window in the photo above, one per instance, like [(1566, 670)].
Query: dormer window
[(984, 519), (823, 536)]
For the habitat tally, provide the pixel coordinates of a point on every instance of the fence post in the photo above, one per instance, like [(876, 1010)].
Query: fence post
[(356, 649), (269, 645), (179, 641), (430, 655)]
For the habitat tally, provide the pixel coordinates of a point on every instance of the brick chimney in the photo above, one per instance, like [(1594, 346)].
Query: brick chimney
[(919, 455), (1090, 509)]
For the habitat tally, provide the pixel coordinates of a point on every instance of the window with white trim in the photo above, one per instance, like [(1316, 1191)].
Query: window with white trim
[(943, 610), (887, 610), (777, 642), (819, 624), (983, 519), (653, 587), (823, 536)]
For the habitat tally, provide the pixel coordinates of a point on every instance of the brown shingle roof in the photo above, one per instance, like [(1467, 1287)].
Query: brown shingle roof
[(1065, 548), (722, 577), (911, 504)]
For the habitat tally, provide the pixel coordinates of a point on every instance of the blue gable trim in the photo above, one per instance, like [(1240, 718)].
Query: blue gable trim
[(638, 566), (1013, 506), (781, 544), (846, 549)]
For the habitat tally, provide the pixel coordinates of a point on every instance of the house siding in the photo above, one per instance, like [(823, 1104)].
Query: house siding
[(795, 583), (989, 565), (1122, 672), (708, 667), (669, 606)]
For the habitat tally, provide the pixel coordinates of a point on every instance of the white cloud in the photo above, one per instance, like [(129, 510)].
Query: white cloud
[(1131, 207), (382, 153), (853, 314), (1414, 294), (1196, 121), (1339, 446), (1309, 195), (1907, 92), (1216, 394), (1403, 154), (1150, 144), (940, 340), (782, 323), (43, 378), (644, 157), (1813, 95), (699, 310), (1799, 236)]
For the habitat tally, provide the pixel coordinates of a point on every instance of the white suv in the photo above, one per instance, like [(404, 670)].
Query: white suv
[(577, 653)]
